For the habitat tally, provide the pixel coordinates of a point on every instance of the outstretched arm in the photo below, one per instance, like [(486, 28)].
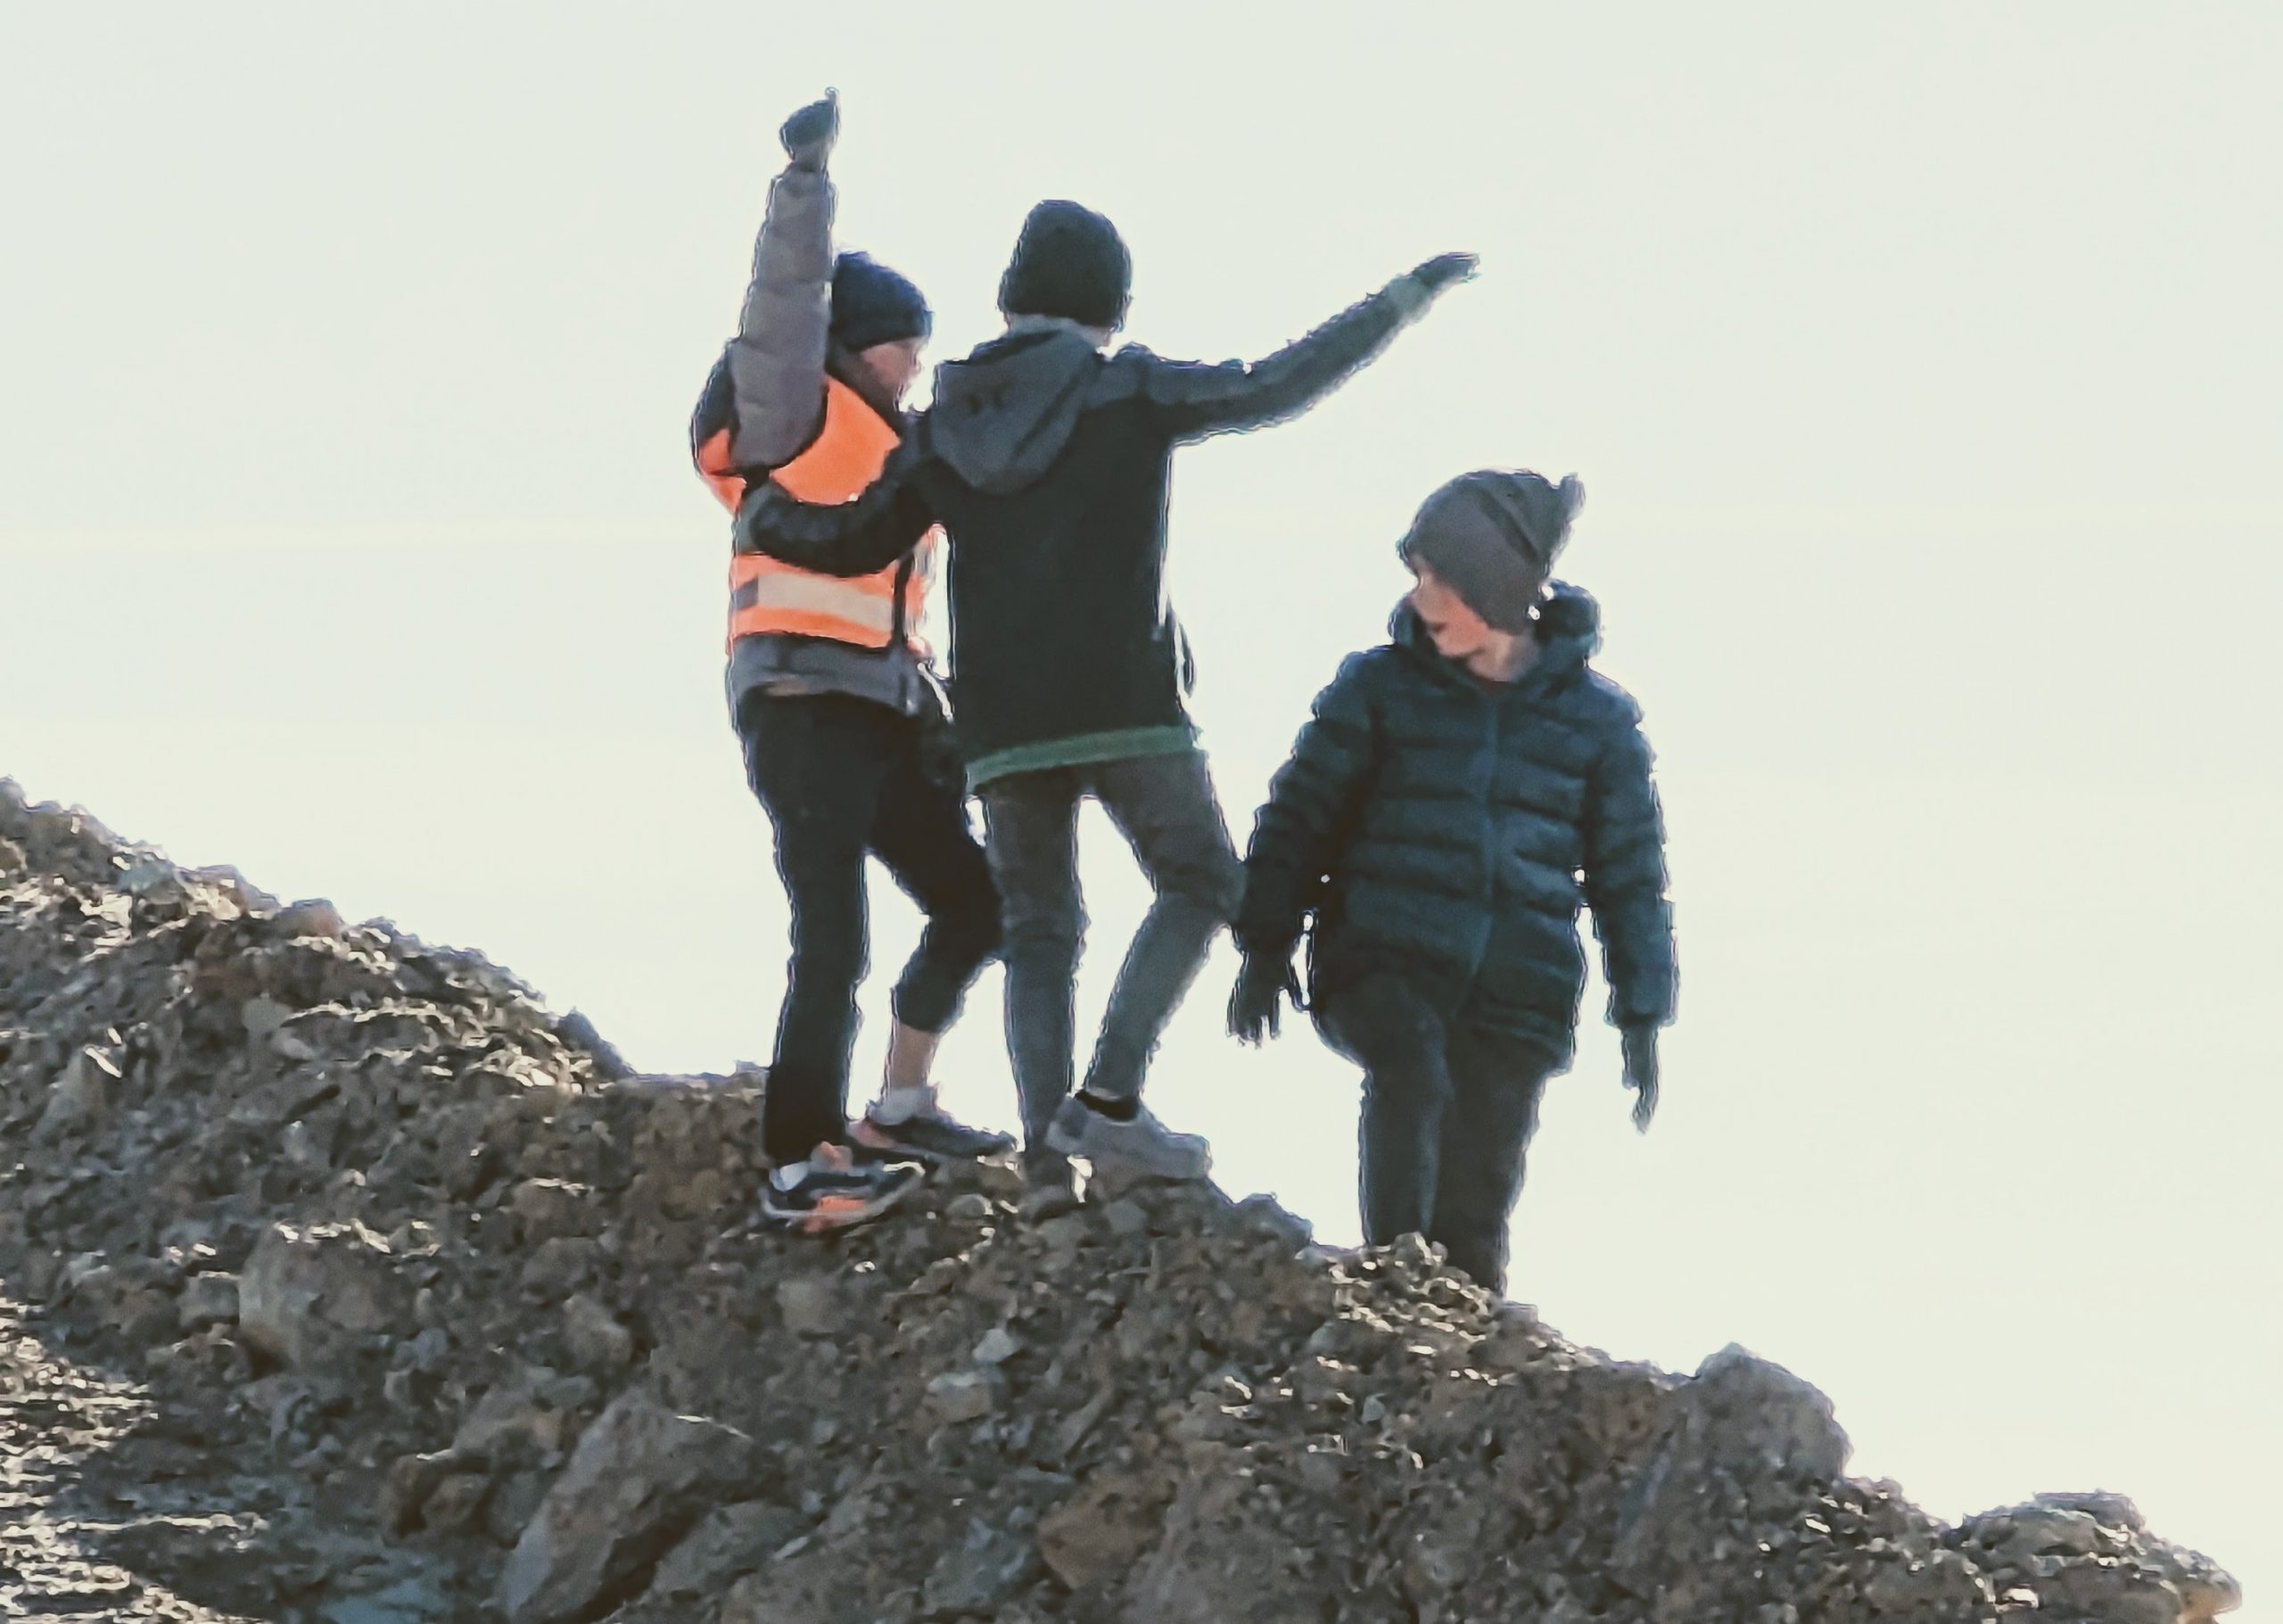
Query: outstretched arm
[(776, 362), (1196, 399), (855, 538)]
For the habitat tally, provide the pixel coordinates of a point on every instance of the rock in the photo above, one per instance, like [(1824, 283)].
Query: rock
[(316, 917), (550, 1206), (516, 1500), (2112, 1595), (810, 1304), (1100, 1533), (419, 1599), (307, 1296), (427, 1352), (1220, 1555), (1741, 1419), (410, 1482), (11, 858), (208, 1299), (82, 1096), (2053, 1531), (577, 1031), (560, 1266), (639, 1473), (457, 1503), (731, 1541), (566, 1394), (2111, 1511), (1126, 1217), (153, 878), (987, 1568), (263, 1016), (2207, 1594), (962, 1395), (134, 1297), (597, 1341), (1753, 1415), (457, 1230), (507, 1424)]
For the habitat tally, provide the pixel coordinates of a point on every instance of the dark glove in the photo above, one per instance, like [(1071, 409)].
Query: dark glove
[(1640, 1073), (809, 134), (1445, 270), (1257, 1006)]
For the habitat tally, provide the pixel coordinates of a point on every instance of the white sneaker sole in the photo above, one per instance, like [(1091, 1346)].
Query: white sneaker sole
[(1109, 1159)]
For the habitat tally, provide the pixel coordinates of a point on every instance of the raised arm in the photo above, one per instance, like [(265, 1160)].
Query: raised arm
[(776, 362), (855, 538), (1197, 400), (1297, 837)]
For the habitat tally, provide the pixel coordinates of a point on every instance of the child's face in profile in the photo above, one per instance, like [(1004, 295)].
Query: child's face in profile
[(1457, 631), (893, 366)]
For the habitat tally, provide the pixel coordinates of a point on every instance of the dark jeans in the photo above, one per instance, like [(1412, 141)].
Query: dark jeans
[(1165, 807), (843, 779), (1449, 1107)]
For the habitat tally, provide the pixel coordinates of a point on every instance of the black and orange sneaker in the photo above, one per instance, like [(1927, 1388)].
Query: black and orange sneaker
[(832, 1190)]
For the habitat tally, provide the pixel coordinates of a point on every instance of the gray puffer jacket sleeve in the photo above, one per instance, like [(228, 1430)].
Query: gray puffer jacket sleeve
[(777, 360)]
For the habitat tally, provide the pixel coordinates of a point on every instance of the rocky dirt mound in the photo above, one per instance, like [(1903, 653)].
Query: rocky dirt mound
[(404, 1300)]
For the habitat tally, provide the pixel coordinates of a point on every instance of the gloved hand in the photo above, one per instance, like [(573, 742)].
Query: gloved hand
[(1257, 1006), (1640, 1073), (1445, 271), (809, 134)]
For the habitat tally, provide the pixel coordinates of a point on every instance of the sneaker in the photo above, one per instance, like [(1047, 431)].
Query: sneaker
[(1143, 1147), (831, 1190), (931, 1136), (1051, 1186)]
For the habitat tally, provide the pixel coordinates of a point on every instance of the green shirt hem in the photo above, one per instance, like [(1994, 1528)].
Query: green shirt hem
[(1086, 750)]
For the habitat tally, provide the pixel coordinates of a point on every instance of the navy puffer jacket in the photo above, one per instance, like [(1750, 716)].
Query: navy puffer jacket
[(1442, 829)]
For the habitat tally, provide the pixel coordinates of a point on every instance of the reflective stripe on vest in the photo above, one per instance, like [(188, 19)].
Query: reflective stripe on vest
[(768, 597)]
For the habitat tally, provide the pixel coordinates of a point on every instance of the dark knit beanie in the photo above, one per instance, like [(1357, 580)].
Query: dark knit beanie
[(1070, 262), (1493, 536), (874, 305)]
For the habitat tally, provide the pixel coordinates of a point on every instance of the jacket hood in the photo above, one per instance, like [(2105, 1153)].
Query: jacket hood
[(1004, 414), (1569, 631)]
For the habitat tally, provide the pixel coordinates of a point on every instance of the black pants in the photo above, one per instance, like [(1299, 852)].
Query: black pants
[(1165, 807), (844, 778), (1449, 1107)]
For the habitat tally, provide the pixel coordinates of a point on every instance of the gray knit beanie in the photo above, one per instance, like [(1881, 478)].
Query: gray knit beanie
[(1494, 535)]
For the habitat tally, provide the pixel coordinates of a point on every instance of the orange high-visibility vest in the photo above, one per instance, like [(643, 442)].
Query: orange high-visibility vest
[(768, 597)]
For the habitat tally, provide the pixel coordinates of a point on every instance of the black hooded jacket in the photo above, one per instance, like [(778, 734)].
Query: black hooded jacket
[(1048, 463)]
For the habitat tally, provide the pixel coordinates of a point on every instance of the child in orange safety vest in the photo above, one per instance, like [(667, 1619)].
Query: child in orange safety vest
[(842, 723)]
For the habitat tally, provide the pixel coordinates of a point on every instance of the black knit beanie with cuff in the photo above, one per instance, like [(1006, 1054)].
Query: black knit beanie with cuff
[(1069, 262), (874, 305)]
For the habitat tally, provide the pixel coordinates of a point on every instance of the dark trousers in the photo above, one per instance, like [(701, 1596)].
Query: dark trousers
[(843, 778), (1165, 807), (1449, 1107)]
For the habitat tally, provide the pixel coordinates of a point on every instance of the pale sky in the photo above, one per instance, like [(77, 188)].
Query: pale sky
[(1921, 363)]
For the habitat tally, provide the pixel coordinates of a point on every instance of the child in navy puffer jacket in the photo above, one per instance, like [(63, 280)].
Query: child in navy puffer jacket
[(1459, 794)]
